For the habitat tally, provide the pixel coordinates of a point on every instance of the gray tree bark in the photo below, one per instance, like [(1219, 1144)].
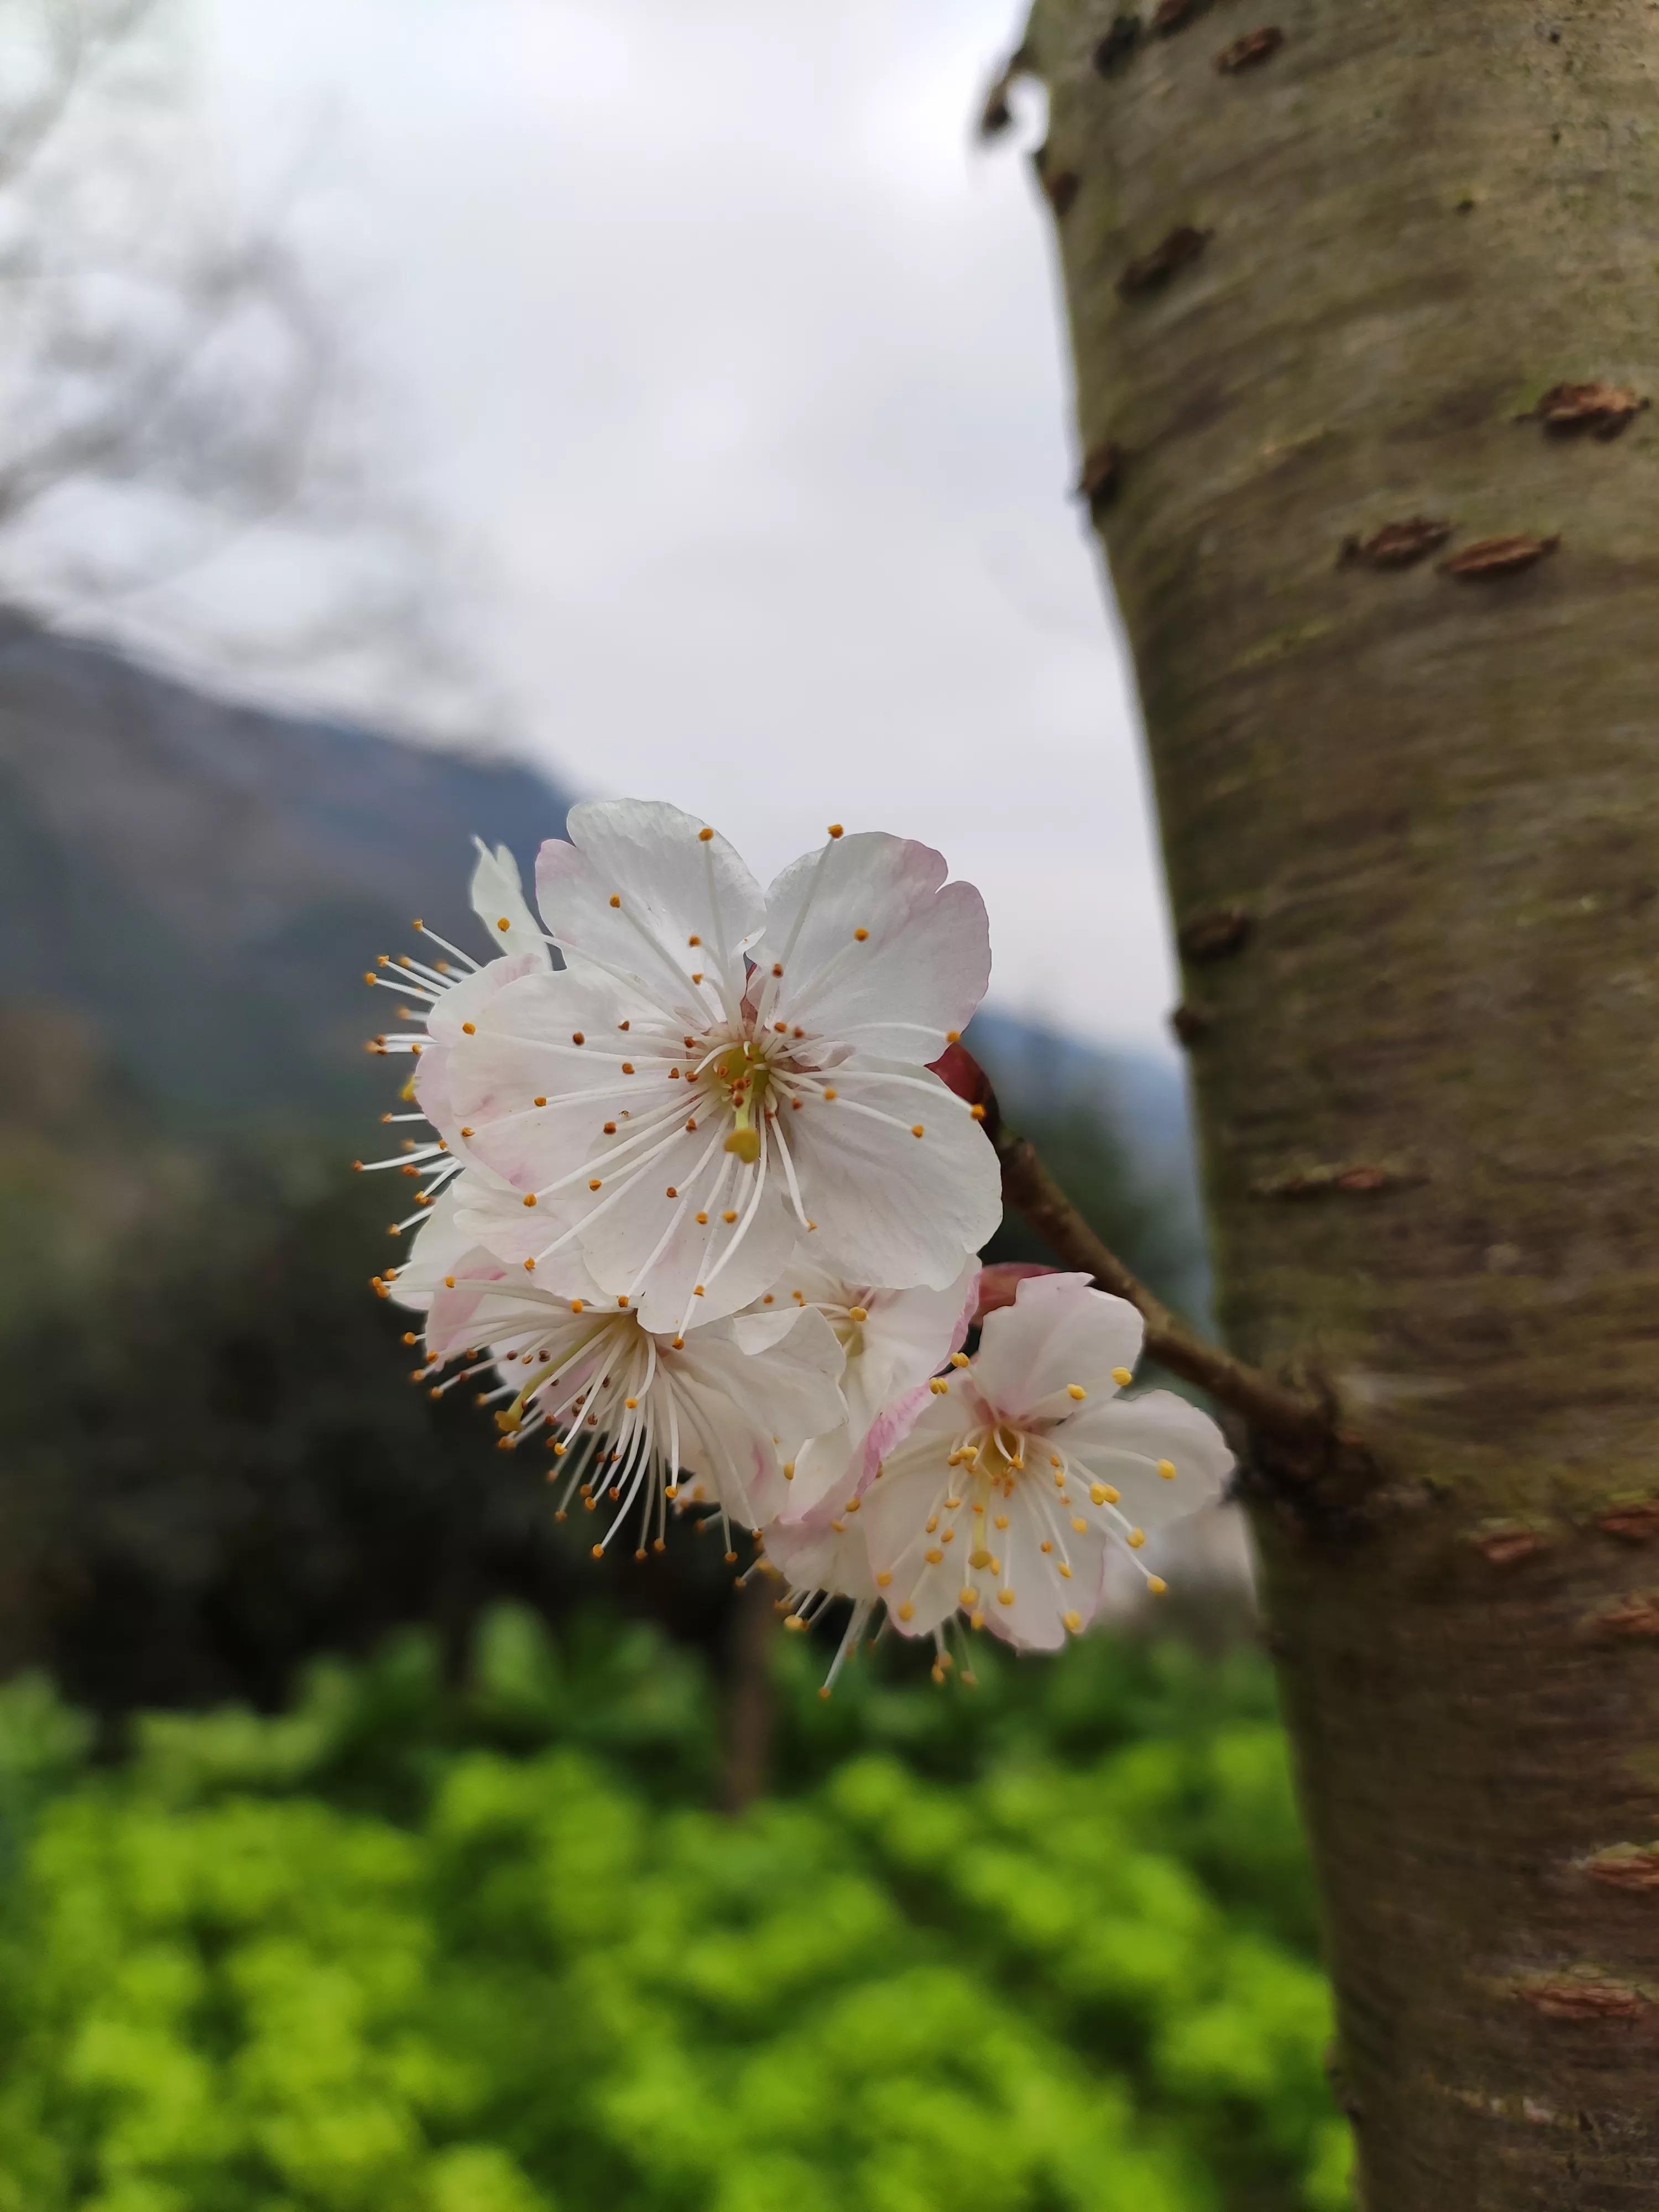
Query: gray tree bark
[(1362, 296)]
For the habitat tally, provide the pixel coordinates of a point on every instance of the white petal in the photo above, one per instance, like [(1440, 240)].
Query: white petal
[(1059, 1333), (919, 1593), (1121, 1441), (670, 885), (499, 902), (919, 971), (893, 1207), (743, 1414)]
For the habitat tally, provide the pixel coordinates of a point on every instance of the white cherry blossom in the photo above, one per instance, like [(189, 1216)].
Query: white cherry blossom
[(893, 1341), (635, 1421), (715, 1075), (1025, 1465)]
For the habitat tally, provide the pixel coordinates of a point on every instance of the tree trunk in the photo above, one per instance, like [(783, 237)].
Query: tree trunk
[(1408, 784)]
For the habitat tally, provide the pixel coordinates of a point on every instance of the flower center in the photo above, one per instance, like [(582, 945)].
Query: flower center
[(746, 1077)]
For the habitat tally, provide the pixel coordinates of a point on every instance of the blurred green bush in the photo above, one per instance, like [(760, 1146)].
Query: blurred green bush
[(411, 1947)]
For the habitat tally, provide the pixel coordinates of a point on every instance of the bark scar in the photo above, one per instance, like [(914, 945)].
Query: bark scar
[(1492, 557), (1581, 1993), (1102, 475), (1355, 1179), (1116, 50), (1397, 544), (1190, 1021), (1214, 936), (1251, 50), (1153, 270), (1606, 410), (1635, 1520), (1624, 1866), (1636, 1613)]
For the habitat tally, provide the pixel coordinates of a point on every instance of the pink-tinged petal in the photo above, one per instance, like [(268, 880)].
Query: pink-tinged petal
[(1059, 1336), (641, 890), (499, 902), (742, 1415), (812, 1555), (893, 1207), (877, 950), (439, 1247), (999, 1283)]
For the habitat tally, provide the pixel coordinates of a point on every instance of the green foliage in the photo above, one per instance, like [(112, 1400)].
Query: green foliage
[(407, 1948)]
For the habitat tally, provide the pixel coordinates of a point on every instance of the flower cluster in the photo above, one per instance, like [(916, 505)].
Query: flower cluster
[(703, 1219)]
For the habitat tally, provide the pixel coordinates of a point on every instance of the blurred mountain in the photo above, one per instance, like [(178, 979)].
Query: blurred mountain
[(199, 885), (205, 882)]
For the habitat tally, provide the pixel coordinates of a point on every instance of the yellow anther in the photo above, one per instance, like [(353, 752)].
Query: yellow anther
[(1156, 1585), (1001, 1521), (1045, 1545), (466, 1133), (632, 1404), (976, 1113), (701, 1220), (698, 1291), (694, 940), (1076, 1390), (1064, 1569), (1135, 1538), (980, 1558), (906, 1611), (703, 837), (959, 1360), (884, 1580), (576, 1304), (836, 829), (917, 1129), (1005, 1597), (729, 1214), (678, 1345), (610, 1126), (599, 1549), (616, 898), (1073, 1621), (449, 1282), (594, 1182), (1123, 1377), (932, 1555), (953, 1036), (529, 1198), (861, 934), (857, 1314), (933, 1518), (469, 1029), (1166, 1469), (672, 1191), (622, 1298), (789, 1470), (1102, 1493), (794, 1620), (830, 1091), (503, 923), (1079, 1524), (937, 1385), (967, 1597)]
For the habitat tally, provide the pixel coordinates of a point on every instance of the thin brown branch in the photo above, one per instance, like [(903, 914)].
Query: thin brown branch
[(1270, 1407)]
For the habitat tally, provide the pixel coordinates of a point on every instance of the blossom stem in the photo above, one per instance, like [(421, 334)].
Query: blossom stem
[(1271, 1407)]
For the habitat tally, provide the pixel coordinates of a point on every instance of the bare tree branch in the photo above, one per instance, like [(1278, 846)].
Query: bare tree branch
[(1269, 1407)]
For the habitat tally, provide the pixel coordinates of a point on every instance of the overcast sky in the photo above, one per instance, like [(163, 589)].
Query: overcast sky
[(739, 373)]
